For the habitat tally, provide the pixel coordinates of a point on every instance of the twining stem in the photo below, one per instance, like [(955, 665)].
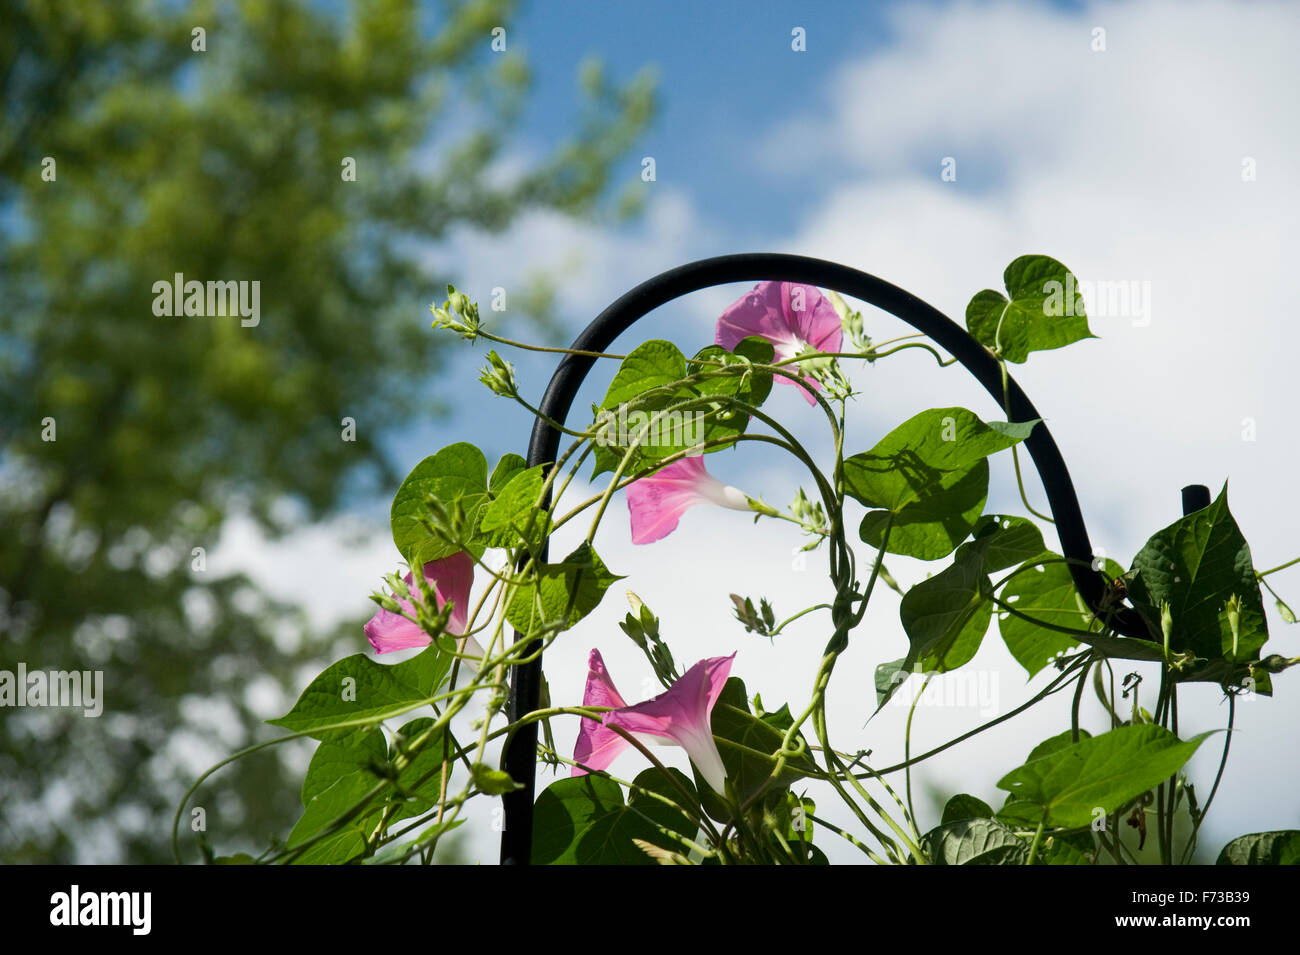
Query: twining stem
[(1078, 696), (1099, 688), (1057, 684), (871, 354), (850, 838), (1264, 573), (789, 620), (544, 348), (1218, 777), (907, 742), (1174, 793), (1165, 805)]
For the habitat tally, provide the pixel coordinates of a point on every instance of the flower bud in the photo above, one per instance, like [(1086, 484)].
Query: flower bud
[(1232, 609), (1275, 663), (499, 376), (387, 602)]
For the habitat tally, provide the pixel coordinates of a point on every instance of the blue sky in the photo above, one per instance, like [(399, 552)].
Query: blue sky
[(726, 71)]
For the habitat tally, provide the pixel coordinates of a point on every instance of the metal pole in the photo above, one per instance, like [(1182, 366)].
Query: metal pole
[(1196, 497)]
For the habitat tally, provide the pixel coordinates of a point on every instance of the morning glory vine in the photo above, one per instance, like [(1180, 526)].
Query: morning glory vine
[(478, 596)]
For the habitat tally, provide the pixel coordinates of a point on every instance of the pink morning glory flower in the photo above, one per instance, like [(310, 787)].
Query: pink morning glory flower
[(451, 578), (679, 715), (657, 501), (790, 315)]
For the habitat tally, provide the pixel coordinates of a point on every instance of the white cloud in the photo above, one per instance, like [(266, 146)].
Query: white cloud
[(592, 263), (328, 569), (1126, 165)]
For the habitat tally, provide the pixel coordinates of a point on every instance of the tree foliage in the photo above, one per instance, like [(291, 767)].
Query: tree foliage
[(222, 163)]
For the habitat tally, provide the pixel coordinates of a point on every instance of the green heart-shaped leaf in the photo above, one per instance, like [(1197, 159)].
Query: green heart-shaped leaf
[(1196, 564), (925, 455), (561, 593), (456, 473), (1067, 786), (1044, 310), (974, 842)]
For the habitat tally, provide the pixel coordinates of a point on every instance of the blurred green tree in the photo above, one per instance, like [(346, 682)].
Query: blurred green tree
[(128, 154)]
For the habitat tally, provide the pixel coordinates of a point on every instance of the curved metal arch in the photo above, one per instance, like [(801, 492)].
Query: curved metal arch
[(521, 755)]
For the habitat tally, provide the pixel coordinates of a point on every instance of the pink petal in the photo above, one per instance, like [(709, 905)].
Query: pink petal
[(682, 714), (656, 502), (771, 311), (452, 577), (758, 312), (388, 631), (600, 689), (817, 323), (597, 745), (689, 701)]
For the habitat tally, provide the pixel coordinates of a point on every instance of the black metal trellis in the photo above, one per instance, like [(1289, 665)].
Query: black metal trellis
[(521, 752)]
